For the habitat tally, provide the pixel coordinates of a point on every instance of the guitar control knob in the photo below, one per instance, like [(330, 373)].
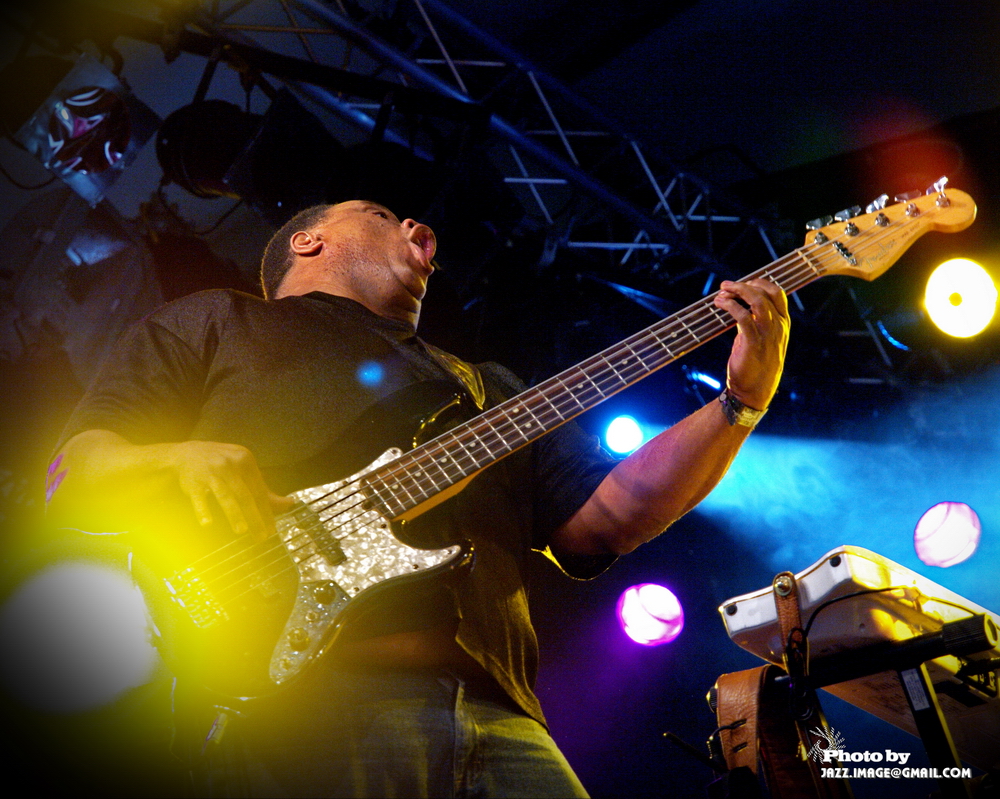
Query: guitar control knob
[(325, 593), (298, 639)]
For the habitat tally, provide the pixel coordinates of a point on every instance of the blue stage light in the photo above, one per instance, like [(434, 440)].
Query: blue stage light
[(708, 380), (624, 435)]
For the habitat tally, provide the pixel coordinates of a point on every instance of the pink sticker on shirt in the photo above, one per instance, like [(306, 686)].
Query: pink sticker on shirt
[(54, 479)]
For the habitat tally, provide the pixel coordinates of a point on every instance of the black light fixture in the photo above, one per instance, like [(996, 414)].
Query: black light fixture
[(279, 162), (198, 144)]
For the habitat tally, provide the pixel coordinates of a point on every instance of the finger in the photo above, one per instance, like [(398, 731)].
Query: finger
[(198, 496), (754, 295), (280, 504), (265, 502), (731, 304), (238, 505), (776, 294)]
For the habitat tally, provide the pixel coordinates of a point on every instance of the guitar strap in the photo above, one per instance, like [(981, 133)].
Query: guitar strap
[(466, 373), (764, 724)]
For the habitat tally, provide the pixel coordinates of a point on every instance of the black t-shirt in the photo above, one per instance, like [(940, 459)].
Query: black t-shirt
[(289, 379)]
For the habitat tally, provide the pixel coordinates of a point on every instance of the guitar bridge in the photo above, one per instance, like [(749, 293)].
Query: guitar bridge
[(190, 592)]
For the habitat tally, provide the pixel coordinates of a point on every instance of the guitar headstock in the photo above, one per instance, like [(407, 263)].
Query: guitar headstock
[(867, 245)]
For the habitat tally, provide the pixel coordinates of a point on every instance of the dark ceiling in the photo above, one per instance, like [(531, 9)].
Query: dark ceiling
[(750, 118)]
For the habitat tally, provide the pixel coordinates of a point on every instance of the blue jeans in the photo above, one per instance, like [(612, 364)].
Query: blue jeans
[(402, 734)]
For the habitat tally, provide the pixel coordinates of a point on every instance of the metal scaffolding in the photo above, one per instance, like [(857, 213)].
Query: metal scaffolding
[(414, 73), (548, 143)]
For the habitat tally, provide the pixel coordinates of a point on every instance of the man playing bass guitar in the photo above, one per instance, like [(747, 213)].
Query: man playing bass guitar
[(219, 404)]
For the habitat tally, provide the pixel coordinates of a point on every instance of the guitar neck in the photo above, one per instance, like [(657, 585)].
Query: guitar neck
[(469, 448), (864, 247)]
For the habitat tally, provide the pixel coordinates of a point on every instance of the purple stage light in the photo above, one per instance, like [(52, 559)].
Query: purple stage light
[(650, 614)]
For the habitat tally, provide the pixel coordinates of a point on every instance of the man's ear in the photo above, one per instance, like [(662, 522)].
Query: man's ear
[(304, 243)]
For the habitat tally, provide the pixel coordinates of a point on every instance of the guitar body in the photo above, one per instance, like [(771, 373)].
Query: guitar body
[(247, 618)]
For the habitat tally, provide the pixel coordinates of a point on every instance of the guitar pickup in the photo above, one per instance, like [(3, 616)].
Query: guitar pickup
[(310, 544)]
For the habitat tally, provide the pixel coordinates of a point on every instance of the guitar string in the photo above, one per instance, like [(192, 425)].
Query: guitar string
[(800, 258), (803, 264)]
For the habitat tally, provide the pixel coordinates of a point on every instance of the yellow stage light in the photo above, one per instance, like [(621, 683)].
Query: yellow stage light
[(960, 297)]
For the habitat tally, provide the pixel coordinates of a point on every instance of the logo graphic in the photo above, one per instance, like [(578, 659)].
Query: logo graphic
[(834, 742)]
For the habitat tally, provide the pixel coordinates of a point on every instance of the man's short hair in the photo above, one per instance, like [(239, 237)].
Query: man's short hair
[(278, 257)]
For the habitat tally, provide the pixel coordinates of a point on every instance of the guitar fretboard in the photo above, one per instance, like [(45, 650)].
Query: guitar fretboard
[(468, 448)]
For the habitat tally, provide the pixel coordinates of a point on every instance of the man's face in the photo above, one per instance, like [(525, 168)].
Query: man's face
[(385, 263)]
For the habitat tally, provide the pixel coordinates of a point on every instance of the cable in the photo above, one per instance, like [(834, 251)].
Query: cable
[(219, 221), (23, 186), (825, 605), (181, 221)]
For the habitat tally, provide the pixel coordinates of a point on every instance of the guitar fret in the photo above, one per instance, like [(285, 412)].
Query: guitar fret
[(517, 427), (680, 318), (614, 371), (417, 473), (496, 425), (638, 361), (404, 478), (553, 406), (384, 500), (454, 461), (534, 425), (481, 442), (401, 483), (659, 340), (439, 457), (596, 387), (466, 453), (809, 262), (569, 392)]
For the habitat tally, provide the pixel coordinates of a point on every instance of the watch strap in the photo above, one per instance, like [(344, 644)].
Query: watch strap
[(738, 413)]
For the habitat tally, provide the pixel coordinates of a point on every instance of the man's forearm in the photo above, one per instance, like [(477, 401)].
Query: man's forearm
[(655, 486), (100, 478)]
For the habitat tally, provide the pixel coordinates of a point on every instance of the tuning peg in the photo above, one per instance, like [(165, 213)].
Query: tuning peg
[(905, 197), (937, 187), (816, 224), (848, 213), (877, 204)]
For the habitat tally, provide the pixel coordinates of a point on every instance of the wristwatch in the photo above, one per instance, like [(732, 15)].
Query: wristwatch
[(738, 413)]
